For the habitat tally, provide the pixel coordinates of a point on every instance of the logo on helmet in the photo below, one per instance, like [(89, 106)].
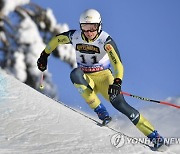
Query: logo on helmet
[(88, 17)]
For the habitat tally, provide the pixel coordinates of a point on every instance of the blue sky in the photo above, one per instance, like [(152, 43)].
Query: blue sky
[(147, 33)]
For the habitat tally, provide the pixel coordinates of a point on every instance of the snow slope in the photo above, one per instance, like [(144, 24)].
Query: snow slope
[(31, 123)]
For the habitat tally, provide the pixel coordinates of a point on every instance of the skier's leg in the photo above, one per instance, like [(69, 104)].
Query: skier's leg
[(85, 87), (137, 119), (121, 105)]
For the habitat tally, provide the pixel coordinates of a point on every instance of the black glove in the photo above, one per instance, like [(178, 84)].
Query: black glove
[(115, 88), (42, 61)]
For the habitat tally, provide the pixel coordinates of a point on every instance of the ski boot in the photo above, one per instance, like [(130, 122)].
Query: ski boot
[(103, 114), (157, 140)]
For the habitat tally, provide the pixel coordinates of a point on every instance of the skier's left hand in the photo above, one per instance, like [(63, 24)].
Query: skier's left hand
[(115, 88)]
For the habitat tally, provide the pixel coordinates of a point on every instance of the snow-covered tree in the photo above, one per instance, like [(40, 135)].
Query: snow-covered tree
[(25, 28)]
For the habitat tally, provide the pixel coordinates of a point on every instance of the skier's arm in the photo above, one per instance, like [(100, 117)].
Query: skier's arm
[(63, 38), (114, 57)]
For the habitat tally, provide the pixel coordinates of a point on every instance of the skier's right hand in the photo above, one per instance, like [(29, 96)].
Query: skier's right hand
[(42, 61)]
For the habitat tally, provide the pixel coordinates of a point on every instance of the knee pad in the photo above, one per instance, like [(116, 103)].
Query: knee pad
[(121, 105), (77, 77)]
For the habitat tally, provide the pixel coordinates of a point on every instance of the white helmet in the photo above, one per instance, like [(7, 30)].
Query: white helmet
[(91, 16)]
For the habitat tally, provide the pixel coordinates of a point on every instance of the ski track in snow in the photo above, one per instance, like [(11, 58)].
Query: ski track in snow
[(32, 123)]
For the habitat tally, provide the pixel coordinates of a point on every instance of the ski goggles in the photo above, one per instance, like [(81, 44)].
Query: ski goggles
[(89, 27)]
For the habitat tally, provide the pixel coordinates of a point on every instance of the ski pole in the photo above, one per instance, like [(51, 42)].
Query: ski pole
[(150, 100), (41, 82)]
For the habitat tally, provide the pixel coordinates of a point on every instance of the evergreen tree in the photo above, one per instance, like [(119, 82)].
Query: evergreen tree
[(25, 28)]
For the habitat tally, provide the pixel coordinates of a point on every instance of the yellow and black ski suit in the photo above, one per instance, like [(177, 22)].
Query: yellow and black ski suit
[(94, 75)]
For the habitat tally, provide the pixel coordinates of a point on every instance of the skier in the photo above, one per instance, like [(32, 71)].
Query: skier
[(95, 52)]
